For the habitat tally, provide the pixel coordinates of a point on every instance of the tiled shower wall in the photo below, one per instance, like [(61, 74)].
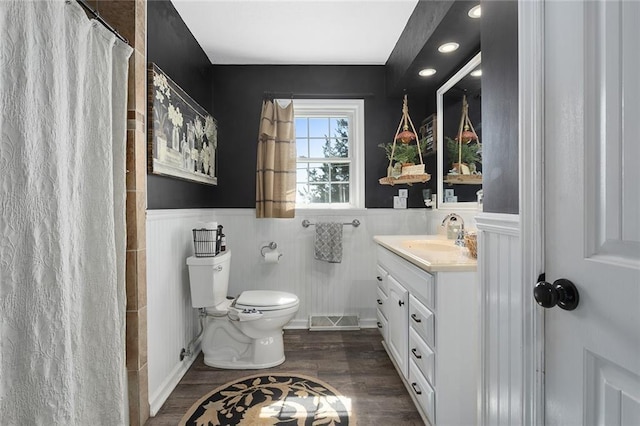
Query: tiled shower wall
[(323, 288)]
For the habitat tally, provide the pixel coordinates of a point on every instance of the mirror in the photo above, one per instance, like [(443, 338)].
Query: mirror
[(458, 104)]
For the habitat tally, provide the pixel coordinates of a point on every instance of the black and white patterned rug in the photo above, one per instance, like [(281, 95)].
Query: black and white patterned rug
[(271, 399)]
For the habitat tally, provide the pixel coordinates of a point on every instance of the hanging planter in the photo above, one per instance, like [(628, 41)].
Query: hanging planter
[(463, 173), (408, 173)]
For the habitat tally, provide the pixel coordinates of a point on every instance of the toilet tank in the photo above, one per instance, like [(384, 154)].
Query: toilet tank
[(209, 279)]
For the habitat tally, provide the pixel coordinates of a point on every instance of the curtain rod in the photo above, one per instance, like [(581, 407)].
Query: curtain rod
[(293, 95), (99, 18)]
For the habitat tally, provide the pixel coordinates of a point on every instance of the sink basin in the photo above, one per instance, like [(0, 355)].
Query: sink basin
[(430, 245), (433, 253)]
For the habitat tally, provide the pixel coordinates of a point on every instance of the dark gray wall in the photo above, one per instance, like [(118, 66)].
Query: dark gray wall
[(173, 48), (422, 24), (499, 41), (239, 92), (236, 106), (239, 89)]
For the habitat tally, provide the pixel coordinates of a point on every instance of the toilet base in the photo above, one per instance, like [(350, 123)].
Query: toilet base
[(240, 364), (224, 346)]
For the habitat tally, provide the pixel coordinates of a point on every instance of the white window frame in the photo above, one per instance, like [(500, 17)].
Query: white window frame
[(354, 110)]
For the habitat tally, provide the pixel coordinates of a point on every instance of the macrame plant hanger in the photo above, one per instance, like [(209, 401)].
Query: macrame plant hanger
[(405, 136), (464, 134), (409, 174)]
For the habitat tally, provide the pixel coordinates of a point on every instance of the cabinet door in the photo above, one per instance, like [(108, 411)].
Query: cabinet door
[(398, 329)]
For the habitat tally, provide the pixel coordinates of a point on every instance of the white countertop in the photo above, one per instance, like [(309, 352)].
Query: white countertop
[(432, 253)]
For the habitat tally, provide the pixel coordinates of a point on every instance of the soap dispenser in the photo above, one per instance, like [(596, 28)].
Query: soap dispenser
[(453, 228)]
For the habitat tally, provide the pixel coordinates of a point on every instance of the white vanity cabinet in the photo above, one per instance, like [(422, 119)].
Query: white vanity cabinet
[(432, 336)]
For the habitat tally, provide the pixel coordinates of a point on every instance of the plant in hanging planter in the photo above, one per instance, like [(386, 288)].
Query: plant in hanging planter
[(469, 154), (404, 153)]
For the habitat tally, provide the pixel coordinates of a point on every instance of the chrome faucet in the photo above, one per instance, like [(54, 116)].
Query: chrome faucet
[(454, 217)]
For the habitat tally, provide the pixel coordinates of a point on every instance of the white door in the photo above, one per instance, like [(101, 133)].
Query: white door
[(592, 210)]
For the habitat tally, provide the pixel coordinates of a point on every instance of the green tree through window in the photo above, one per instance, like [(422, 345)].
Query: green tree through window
[(328, 181)]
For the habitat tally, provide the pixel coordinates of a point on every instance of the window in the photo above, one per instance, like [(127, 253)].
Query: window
[(330, 152)]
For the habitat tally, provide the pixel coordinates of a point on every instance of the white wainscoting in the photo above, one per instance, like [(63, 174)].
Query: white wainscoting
[(171, 321), (503, 305), (323, 288)]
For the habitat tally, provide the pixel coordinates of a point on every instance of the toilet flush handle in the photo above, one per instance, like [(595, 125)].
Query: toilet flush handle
[(218, 269)]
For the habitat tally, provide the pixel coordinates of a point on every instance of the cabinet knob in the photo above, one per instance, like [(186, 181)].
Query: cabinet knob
[(416, 389), (415, 318), (415, 353), (379, 302), (400, 303)]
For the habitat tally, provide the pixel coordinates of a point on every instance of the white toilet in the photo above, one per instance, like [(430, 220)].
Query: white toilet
[(240, 333)]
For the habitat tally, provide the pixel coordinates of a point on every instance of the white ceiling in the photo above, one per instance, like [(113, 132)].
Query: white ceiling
[(309, 32)]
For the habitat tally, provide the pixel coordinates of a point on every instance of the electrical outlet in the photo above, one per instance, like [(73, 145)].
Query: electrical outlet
[(403, 193), (399, 202)]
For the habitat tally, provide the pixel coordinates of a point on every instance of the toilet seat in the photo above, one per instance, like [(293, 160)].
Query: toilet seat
[(266, 300)]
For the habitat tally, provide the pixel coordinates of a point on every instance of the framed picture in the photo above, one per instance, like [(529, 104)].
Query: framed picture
[(428, 133), (183, 136)]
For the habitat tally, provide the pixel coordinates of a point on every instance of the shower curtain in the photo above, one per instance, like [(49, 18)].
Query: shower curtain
[(63, 86)]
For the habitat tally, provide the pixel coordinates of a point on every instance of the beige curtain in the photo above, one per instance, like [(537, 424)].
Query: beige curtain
[(276, 165)]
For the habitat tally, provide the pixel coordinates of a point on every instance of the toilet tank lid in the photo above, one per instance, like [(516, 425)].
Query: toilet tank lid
[(215, 260), (264, 299)]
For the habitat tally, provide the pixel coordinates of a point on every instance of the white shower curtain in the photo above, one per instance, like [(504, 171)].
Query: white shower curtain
[(63, 86)]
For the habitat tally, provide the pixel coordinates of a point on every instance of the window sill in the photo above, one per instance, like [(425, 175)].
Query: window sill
[(329, 210)]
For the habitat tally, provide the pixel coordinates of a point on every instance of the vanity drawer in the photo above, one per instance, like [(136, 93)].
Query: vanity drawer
[(381, 279), (381, 301), (422, 355), (382, 324), (418, 282), (421, 319), (423, 392)]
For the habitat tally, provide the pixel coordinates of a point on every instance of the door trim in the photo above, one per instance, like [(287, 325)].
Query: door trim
[(531, 175)]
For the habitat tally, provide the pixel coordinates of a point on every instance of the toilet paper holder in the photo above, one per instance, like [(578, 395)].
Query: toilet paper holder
[(272, 245)]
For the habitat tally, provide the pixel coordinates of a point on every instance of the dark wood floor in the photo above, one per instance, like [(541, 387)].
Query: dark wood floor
[(353, 362)]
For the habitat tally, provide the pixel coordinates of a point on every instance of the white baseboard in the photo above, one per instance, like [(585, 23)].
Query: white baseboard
[(368, 323), (160, 396), (297, 324)]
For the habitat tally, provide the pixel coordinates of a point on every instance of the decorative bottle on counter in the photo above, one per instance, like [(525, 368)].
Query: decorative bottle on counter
[(218, 239)]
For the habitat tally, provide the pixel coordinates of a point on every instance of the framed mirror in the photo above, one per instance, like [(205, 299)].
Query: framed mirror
[(459, 136)]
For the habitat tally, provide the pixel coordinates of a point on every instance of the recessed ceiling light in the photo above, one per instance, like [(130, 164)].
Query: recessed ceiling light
[(448, 47), (426, 72), (476, 73), (475, 12)]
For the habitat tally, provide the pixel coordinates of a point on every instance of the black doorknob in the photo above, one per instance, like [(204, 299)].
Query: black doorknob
[(562, 293)]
